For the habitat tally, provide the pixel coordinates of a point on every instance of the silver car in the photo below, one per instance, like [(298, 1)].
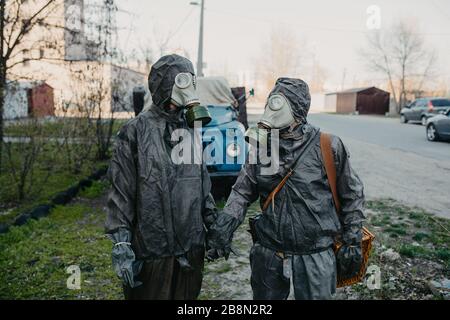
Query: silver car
[(438, 127), (421, 109)]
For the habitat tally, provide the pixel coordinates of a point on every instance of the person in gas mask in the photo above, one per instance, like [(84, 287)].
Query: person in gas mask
[(294, 236), (158, 211)]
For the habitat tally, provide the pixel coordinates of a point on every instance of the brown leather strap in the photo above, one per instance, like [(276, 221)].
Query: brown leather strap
[(272, 195), (330, 167)]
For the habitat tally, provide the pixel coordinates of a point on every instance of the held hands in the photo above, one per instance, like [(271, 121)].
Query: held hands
[(215, 247), (215, 254), (219, 237)]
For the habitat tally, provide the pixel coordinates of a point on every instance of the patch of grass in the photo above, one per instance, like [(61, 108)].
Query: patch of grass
[(224, 268), (444, 255), (51, 175), (419, 236), (413, 251), (220, 204), (397, 229), (416, 216), (96, 190), (34, 258), (54, 127)]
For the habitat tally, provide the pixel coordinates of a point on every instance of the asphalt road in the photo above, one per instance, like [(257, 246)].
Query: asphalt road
[(393, 160), (387, 132)]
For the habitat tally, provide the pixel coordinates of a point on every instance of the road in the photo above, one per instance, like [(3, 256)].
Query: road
[(387, 132), (394, 160)]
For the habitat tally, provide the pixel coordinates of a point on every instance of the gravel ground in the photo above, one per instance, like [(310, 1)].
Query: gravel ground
[(411, 250)]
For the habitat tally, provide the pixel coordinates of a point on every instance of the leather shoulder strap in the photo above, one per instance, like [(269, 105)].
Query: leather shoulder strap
[(271, 198), (330, 167)]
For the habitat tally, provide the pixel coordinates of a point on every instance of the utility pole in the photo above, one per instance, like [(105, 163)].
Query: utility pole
[(200, 42)]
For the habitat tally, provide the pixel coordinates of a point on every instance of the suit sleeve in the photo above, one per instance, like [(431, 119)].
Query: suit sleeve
[(121, 204), (351, 195), (209, 205), (243, 194)]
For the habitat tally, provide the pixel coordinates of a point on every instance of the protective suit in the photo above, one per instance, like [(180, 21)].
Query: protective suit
[(296, 233), (158, 212)]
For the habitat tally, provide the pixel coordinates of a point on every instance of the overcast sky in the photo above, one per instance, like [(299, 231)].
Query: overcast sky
[(235, 30)]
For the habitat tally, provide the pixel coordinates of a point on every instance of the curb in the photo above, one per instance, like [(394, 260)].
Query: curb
[(60, 199)]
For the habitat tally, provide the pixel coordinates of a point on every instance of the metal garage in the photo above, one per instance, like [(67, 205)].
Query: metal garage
[(369, 100)]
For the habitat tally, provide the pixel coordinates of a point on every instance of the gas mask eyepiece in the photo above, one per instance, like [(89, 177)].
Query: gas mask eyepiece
[(278, 113), (184, 95)]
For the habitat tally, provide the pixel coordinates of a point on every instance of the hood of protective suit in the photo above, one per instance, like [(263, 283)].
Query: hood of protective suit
[(297, 93), (162, 77)]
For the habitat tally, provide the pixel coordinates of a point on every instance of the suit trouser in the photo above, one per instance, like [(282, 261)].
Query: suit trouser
[(164, 279), (313, 276)]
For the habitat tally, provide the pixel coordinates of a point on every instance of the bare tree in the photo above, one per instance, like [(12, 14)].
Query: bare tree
[(24, 158), (282, 55), (18, 19), (403, 57), (97, 97)]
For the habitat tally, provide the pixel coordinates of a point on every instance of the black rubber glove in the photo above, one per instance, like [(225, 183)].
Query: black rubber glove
[(123, 259), (349, 260)]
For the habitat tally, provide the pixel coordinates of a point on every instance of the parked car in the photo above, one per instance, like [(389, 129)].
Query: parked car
[(422, 109), (429, 115), (438, 127)]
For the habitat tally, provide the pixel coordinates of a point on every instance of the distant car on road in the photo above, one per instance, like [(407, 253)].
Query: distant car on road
[(424, 108), (438, 127)]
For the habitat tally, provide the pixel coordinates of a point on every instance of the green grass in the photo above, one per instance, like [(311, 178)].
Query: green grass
[(96, 190), (51, 175), (428, 231), (414, 251), (396, 230), (34, 258), (53, 128), (419, 236)]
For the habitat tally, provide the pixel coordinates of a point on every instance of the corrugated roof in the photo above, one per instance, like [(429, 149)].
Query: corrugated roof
[(353, 90)]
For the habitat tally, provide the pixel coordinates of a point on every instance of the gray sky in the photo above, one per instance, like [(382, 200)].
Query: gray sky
[(235, 30)]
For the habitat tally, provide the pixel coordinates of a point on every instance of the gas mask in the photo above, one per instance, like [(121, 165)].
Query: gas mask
[(277, 115), (184, 95)]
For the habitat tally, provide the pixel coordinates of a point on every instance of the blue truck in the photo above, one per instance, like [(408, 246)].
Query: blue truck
[(227, 107)]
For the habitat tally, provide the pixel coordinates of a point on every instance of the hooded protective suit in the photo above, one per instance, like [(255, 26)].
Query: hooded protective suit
[(295, 235), (165, 207)]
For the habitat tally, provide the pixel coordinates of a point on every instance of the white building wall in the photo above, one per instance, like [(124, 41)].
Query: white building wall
[(16, 101), (330, 102)]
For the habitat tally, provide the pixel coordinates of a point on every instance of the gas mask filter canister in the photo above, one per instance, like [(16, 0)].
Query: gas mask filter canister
[(184, 95)]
